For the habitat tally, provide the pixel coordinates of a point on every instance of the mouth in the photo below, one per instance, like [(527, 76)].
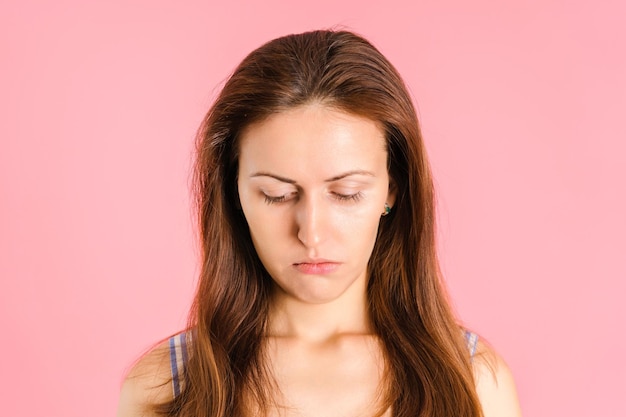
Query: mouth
[(316, 267)]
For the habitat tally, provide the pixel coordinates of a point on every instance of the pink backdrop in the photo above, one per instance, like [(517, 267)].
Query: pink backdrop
[(522, 105)]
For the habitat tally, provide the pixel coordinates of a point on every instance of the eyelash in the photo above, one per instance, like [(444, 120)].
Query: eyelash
[(340, 197), (272, 200), (347, 197)]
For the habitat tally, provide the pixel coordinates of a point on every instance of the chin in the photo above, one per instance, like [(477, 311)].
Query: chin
[(319, 289)]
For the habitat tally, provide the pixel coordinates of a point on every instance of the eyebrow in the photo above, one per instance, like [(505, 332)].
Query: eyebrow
[(335, 178)]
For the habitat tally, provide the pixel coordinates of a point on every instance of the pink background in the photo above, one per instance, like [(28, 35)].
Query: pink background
[(522, 105)]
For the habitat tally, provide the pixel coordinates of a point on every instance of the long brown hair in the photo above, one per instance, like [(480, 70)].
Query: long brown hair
[(429, 370)]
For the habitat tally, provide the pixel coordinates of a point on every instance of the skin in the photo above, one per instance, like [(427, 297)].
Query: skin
[(313, 183)]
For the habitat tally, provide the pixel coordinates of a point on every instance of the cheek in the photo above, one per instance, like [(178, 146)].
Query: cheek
[(259, 227), (267, 231), (264, 243), (360, 229)]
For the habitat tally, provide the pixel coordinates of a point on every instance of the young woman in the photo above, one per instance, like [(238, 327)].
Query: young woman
[(320, 293)]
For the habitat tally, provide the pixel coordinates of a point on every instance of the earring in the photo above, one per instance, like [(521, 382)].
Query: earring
[(387, 210)]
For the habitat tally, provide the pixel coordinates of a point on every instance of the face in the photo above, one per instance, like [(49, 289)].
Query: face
[(313, 184)]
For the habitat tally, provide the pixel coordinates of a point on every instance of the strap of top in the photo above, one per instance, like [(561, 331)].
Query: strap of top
[(472, 341), (178, 359)]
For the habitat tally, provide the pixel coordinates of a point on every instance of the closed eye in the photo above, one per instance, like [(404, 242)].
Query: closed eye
[(338, 196), (277, 199), (272, 200), (348, 197)]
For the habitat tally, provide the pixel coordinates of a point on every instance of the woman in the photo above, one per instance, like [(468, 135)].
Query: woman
[(320, 292)]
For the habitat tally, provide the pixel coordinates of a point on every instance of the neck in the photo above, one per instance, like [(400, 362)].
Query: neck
[(347, 315)]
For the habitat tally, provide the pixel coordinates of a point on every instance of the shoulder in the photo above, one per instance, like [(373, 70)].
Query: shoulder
[(494, 383), (148, 383)]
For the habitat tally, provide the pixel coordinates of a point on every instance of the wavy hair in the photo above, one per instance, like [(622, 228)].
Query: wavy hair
[(428, 366)]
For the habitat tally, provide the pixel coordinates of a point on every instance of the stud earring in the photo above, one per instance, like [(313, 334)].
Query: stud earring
[(387, 210)]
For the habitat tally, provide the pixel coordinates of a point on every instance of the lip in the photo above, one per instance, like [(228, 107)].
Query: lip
[(316, 267)]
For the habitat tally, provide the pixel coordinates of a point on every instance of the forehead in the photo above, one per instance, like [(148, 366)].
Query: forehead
[(313, 136)]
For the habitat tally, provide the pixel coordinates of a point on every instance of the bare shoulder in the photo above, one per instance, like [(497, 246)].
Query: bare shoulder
[(494, 384), (148, 383)]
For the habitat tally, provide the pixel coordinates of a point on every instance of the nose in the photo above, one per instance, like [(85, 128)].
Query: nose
[(311, 222)]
